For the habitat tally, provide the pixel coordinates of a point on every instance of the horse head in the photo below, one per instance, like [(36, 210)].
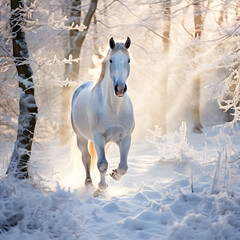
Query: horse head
[(119, 62)]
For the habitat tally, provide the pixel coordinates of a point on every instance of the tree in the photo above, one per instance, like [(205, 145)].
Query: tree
[(18, 166), (198, 24), (166, 43), (76, 39), (228, 91)]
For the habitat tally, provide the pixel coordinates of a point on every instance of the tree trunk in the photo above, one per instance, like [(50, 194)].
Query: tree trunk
[(18, 166), (167, 25), (76, 40), (198, 24), (164, 76), (196, 104), (95, 37), (71, 70)]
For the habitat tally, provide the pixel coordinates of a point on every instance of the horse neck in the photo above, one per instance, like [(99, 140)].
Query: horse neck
[(109, 96)]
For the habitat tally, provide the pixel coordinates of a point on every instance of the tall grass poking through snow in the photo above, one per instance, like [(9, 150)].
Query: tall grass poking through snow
[(173, 147), (227, 162), (222, 176)]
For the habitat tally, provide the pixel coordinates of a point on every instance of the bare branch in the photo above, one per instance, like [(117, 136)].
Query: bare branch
[(225, 36), (187, 30), (124, 5), (134, 25)]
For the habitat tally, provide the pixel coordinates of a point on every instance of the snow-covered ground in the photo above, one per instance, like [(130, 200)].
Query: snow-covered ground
[(180, 186)]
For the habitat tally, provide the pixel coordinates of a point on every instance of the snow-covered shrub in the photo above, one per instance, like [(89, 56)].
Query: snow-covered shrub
[(225, 173), (173, 147), (27, 211)]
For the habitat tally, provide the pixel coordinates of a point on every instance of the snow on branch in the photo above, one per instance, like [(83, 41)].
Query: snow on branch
[(60, 24)]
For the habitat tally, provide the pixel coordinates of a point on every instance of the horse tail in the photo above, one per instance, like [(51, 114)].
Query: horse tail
[(93, 154)]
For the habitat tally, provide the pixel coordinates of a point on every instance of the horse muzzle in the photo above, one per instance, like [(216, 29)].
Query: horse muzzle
[(120, 90)]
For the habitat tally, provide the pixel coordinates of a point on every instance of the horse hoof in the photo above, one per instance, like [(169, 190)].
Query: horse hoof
[(115, 175), (100, 190), (88, 181), (97, 193)]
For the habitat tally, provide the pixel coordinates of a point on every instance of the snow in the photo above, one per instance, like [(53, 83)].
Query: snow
[(27, 83), (179, 186)]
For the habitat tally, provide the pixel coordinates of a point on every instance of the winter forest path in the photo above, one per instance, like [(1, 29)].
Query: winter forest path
[(153, 201)]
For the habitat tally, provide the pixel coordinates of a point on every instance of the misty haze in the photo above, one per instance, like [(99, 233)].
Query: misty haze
[(119, 119)]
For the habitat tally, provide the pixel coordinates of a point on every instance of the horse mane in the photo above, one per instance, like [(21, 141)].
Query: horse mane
[(118, 47)]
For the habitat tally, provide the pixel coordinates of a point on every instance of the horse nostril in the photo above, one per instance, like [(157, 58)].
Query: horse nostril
[(120, 90)]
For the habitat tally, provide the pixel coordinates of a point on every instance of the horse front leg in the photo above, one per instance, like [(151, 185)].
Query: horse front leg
[(102, 163), (124, 147)]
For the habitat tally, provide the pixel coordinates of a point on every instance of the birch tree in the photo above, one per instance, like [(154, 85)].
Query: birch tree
[(18, 166)]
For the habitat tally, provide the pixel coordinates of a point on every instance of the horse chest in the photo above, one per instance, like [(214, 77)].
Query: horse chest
[(113, 128), (112, 119), (114, 134)]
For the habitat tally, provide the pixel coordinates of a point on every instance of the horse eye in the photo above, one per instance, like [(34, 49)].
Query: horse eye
[(110, 60), (129, 60)]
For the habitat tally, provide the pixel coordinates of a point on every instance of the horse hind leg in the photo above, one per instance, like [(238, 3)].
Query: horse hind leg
[(93, 153), (86, 158)]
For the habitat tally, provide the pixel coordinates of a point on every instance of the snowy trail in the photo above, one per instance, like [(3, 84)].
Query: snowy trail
[(153, 201)]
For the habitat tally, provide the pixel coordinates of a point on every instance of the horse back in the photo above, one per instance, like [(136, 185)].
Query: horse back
[(79, 115), (85, 86)]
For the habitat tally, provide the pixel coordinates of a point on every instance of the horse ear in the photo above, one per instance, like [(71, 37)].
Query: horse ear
[(128, 42), (111, 43)]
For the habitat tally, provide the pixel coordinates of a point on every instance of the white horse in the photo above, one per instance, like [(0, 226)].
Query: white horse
[(102, 112)]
